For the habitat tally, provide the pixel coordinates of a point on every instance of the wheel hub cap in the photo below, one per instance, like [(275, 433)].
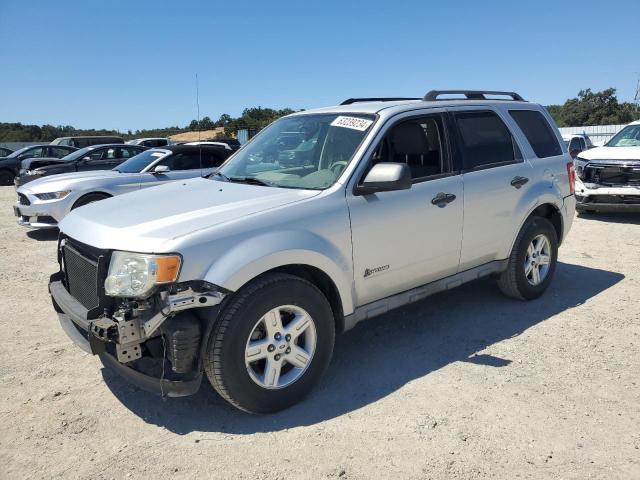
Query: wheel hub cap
[(537, 260), (280, 347)]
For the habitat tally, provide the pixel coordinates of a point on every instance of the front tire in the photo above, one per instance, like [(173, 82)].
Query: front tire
[(271, 343), (532, 262)]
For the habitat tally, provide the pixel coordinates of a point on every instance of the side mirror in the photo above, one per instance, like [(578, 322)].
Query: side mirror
[(385, 177), (161, 169), (574, 153)]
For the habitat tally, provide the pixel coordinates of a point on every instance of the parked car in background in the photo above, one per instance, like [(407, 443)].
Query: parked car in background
[(4, 151), (44, 202), (577, 143), (397, 200), (97, 157), (210, 143), (81, 142), (10, 165), (233, 143), (150, 142), (608, 177)]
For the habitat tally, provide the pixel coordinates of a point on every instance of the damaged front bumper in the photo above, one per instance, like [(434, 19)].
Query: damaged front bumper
[(158, 351), (607, 186)]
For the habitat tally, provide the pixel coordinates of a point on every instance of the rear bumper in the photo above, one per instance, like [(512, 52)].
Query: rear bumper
[(73, 319)]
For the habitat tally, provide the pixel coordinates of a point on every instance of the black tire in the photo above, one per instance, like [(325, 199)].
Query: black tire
[(90, 198), (513, 281), (6, 177), (224, 361)]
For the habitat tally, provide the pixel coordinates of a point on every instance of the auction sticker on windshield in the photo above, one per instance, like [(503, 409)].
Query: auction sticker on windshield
[(352, 122)]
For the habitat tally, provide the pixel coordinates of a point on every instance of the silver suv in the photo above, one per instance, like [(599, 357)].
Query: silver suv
[(326, 218)]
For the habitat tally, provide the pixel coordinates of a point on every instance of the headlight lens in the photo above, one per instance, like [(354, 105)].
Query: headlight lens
[(52, 195), (136, 274), (34, 172)]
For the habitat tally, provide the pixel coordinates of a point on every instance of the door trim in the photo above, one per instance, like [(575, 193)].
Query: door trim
[(379, 307)]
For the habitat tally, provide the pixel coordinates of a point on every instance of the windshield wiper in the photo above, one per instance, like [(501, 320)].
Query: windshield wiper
[(220, 174), (250, 181)]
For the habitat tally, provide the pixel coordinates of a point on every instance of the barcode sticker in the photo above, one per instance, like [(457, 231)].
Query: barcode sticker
[(352, 122)]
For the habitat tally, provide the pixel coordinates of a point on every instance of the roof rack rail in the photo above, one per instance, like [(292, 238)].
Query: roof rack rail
[(471, 94), (349, 101)]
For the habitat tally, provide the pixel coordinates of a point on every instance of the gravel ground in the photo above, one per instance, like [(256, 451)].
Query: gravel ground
[(467, 384)]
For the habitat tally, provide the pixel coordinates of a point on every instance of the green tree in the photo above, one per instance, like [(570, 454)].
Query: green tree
[(593, 108)]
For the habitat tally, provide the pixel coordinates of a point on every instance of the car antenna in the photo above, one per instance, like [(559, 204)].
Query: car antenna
[(198, 117)]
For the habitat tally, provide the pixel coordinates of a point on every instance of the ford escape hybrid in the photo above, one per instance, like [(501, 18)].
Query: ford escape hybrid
[(326, 218)]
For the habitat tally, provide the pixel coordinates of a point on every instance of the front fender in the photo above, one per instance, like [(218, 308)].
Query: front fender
[(262, 253)]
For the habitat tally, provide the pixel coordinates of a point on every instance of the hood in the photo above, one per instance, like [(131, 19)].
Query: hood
[(144, 220), (66, 181), (611, 153)]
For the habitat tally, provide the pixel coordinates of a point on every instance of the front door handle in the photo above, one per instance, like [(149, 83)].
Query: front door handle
[(517, 182), (442, 199)]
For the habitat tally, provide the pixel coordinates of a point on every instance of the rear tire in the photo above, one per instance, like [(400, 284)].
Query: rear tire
[(530, 270), (90, 198), (241, 335), (6, 177)]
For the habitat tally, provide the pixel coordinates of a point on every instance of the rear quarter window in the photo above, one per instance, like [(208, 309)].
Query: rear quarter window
[(485, 140), (538, 132)]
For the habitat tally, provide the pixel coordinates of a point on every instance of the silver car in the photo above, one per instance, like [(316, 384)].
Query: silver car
[(326, 218), (44, 202)]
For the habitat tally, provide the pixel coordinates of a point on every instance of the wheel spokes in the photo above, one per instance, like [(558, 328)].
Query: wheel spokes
[(273, 322), (257, 350), (535, 274), (298, 325), (271, 373), (544, 259), (298, 357)]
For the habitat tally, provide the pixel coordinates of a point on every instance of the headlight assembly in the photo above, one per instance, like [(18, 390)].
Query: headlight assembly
[(52, 195), (136, 274)]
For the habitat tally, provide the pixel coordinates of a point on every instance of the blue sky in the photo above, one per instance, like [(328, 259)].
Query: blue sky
[(132, 64)]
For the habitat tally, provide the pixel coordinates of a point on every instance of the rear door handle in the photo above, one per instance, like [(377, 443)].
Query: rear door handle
[(442, 199), (517, 182)]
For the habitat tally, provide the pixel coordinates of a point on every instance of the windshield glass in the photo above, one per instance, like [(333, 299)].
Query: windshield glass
[(629, 136), (19, 152), (78, 154), (303, 151), (139, 162)]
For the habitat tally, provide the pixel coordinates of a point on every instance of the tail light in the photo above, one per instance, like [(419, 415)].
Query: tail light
[(571, 172)]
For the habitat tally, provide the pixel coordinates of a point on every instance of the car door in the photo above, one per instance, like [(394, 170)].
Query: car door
[(406, 238), (100, 158), (495, 177)]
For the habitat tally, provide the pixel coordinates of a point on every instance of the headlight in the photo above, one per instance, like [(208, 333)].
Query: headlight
[(52, 195), (34, 172), (136, 274)]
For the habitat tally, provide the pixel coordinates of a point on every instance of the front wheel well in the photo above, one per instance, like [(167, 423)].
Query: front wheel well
[(551, 213), (82, 200), (323, 282)]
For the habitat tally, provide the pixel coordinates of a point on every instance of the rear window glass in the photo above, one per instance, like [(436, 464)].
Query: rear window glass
[(538, 132), (485, 139)]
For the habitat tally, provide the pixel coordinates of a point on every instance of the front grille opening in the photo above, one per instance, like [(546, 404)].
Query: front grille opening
[(612, 175), (47, 220), (81, 275)]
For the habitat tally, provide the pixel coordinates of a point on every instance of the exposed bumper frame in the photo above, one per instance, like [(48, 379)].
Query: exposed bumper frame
[(72, 315)]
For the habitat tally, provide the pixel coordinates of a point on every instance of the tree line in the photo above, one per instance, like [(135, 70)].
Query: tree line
[(588, 108)]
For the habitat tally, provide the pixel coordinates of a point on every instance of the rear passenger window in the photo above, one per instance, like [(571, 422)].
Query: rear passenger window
[(538, 132), (485, 140)]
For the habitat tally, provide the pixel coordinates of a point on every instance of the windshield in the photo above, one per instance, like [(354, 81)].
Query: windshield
[(303, 151), (629, 136), (78, 154), (139, 162), (20, 152)]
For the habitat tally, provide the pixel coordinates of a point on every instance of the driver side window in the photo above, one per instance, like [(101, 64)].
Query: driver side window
[(419, 143)]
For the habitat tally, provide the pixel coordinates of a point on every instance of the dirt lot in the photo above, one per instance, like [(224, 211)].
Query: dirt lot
[(467, 384)]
